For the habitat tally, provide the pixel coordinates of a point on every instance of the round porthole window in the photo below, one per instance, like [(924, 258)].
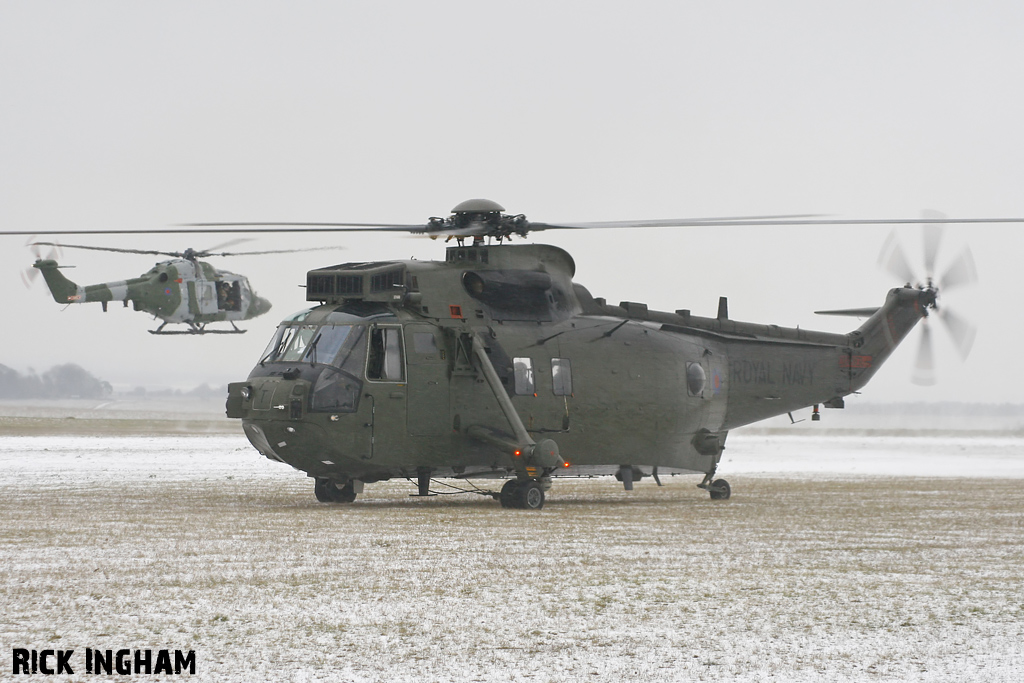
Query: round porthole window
[(695, 379)]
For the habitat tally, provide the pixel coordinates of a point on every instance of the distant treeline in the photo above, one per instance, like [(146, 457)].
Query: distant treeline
[(73, 381), (60, 381)]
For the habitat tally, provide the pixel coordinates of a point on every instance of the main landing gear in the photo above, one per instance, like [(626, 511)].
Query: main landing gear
[(524, 494), (719, 488), (327, 491)]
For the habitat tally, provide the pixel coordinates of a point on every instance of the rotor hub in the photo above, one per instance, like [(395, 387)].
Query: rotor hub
[(479, 218)]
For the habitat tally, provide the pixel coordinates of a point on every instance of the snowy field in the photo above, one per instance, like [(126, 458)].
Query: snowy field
[(838, 558)]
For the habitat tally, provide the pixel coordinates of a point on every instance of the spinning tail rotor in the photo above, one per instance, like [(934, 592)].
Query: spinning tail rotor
[(959, 273), (29, 275)]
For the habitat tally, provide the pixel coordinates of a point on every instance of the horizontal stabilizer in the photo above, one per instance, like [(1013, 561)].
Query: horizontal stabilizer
[(851, 312)]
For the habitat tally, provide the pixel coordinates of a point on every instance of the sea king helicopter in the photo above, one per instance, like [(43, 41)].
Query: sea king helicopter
[(181, 291), (495, 364)]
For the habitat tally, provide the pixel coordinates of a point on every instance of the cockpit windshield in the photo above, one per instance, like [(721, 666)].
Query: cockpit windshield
[(326, 344), (330, 356), (295, 343)]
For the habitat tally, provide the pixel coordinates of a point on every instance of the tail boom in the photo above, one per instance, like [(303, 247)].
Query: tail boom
[(64, 291), (874, 341)]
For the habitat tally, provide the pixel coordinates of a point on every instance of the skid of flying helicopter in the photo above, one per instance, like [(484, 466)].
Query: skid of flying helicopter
[(494, 363)]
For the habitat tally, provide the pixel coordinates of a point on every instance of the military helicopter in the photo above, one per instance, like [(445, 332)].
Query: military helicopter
[(495, 364), (183, 290)]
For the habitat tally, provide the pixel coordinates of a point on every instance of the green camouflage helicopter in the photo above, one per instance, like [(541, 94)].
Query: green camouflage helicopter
[(183, 290), (495, 364)]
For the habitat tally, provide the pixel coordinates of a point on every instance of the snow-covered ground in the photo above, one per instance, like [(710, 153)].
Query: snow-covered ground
[(838, 558)]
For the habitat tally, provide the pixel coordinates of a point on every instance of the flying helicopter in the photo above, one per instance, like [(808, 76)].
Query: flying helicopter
[(181, 291), (495, 364)]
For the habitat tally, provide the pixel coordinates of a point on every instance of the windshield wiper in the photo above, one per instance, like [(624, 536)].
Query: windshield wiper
[(311, 351)]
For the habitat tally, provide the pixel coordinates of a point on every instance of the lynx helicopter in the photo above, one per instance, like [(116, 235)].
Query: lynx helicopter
[(494, 364), (183, 290)]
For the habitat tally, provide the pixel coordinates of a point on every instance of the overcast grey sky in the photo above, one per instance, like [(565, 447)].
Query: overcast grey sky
[(142, 115)]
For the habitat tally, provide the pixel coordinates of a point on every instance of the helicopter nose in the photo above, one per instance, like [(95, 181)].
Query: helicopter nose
[(259, 306)]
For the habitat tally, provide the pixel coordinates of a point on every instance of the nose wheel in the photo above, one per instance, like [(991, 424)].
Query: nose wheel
[(522, 494)]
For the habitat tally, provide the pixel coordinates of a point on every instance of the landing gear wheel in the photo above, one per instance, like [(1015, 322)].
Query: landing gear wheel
[(508, 493), (719, 490), (530, 496), (326, 491), (347, 493)]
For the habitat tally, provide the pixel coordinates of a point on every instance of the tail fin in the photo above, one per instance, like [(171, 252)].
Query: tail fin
[(64, 291)]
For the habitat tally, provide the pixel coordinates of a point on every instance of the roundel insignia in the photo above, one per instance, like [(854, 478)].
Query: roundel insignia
[(167, 291)]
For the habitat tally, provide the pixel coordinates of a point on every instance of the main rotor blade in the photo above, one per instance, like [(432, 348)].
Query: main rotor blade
[(924, 365), (271, 251), (229, 243), (894, 260), (232, 228), (962, 331), (960, 272), (123, 251), (672, 222), (932, 239), (423, 228), (313, 227), (681, 223)]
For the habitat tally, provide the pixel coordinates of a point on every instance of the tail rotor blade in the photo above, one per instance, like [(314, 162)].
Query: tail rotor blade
[(932, 239), (924, 366), (28, 276), (961, 330), (961, 272), (34, 248), (894, 260)]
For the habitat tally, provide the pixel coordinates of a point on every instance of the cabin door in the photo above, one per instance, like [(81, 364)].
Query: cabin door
[(428, 407), (206, 296)]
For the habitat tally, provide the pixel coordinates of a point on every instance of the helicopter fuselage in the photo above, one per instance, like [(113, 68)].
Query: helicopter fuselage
[(494, 363), (175, 291)]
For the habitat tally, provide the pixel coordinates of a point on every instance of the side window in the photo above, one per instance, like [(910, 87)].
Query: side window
[(523, 368), (561, 376), (385, 362), (695, 379)]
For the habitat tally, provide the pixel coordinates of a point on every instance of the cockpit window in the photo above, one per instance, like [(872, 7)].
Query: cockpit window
[(274, 347), (329, 344), (337, 388), (295, 342), (326, 343)]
